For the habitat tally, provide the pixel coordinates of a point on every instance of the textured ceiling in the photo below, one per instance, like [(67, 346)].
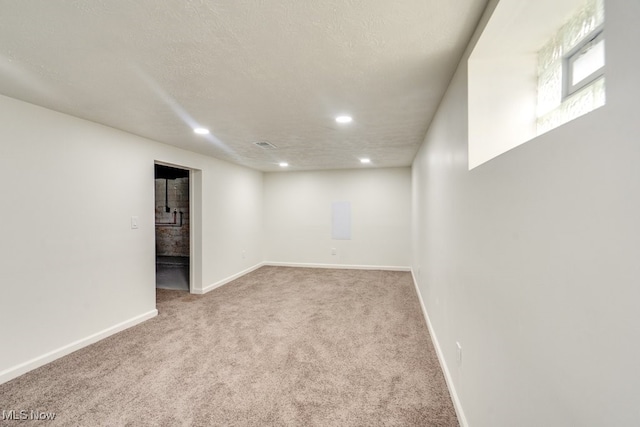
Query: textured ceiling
[(249, 70)]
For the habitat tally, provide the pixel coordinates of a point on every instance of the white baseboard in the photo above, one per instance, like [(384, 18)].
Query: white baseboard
[(447, 375), (23, 368), (337, 266), (222, 282)]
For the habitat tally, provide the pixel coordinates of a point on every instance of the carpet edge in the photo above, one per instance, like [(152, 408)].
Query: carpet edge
[(36, 362), (457, 405), (226, 280)]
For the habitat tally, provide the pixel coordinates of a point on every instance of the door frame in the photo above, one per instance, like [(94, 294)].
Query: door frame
[(195, 224)]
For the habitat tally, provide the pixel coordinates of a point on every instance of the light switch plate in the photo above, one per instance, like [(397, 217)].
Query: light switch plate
[(134, 222)]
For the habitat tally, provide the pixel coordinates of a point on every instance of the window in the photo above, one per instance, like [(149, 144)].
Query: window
[(518, 84), (584, 64), (571, 67)]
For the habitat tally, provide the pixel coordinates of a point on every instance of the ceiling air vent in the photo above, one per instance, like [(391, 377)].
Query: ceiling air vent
[(266, 145)]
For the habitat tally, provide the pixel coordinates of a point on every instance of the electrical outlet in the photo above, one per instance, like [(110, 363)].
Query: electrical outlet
[(333, 251), (459, 353), (244, 254)]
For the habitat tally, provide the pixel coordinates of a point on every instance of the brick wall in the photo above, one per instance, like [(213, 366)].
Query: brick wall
[(172, 240)]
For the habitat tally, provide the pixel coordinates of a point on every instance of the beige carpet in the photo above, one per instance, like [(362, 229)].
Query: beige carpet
[(277, 347)]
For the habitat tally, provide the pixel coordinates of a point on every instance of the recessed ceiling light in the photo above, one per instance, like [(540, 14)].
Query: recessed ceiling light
[(201, 131), (365, 160), (344, 119), (284, 164)]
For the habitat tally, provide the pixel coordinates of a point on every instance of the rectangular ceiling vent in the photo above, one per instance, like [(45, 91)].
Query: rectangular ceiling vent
[(266, 145)]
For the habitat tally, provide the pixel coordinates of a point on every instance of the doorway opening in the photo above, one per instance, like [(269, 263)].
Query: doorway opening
[(172, 228)]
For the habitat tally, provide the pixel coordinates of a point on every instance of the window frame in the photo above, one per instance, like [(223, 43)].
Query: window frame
[(568, 88)]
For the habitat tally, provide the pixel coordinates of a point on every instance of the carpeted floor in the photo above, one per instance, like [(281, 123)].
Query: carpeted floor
[(277, 347)]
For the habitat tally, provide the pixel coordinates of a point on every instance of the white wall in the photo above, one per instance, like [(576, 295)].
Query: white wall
[(530, 260), (71, 268), (298, 217)]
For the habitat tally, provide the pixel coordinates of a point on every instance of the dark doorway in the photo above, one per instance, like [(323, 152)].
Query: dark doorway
[(172, 227)]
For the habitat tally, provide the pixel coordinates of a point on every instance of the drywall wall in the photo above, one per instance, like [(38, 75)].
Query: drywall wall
[(298, 217), (72, 269), (530, 261)]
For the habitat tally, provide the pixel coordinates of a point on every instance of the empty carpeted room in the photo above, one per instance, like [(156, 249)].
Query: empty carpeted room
[(415, 213)]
